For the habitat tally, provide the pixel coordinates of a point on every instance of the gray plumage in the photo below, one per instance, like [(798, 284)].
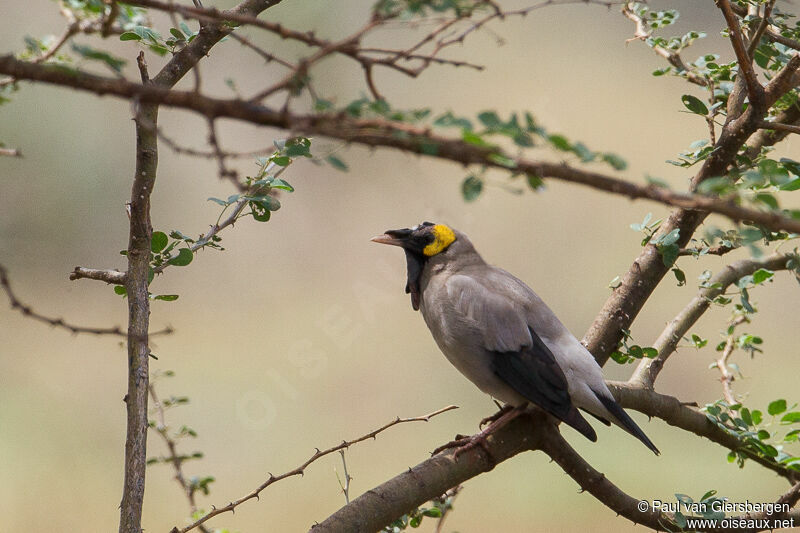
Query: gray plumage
[(497, 332)]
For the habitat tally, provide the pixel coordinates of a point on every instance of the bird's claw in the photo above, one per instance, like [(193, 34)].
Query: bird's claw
[(463, 444), (489, 419)]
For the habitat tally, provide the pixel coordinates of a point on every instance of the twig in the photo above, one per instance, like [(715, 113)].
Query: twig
[(754, 89), (777, 126), (755, 40), (722, 362), (56, 322), (346, 485), (450, 495), (300, 469), (719, 249), (672, 57), (10, 152), (114, 277), (648, 369), (174, 458)]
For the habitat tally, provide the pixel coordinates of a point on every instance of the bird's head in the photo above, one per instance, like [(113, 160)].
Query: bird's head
[(420, 243), (426, 239)]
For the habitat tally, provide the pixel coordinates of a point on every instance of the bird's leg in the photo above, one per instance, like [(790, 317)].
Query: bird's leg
[(503, 410), (464, 444)]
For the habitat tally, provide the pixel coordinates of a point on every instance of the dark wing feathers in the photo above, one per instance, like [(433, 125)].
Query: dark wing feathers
[(630, 426), (520, 357), (534, 373)]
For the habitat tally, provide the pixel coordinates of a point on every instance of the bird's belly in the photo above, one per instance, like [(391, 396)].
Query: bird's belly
[(476, 366)]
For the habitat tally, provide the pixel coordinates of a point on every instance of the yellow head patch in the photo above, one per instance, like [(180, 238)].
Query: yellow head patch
[(443, 237)]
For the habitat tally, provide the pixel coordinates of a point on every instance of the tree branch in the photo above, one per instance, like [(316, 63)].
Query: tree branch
[(375, 132), (318, 454), (56, 322), (754, 89), (648, 369), (114, 277), (688, 418)]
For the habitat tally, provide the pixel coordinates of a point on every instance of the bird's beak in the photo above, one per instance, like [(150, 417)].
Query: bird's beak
[(387, 239), (395, 237)]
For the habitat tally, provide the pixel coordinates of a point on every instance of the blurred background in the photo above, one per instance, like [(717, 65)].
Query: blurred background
[(299, 334)]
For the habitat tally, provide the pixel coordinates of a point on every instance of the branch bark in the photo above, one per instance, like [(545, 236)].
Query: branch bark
[(422, 141), (648, 369)]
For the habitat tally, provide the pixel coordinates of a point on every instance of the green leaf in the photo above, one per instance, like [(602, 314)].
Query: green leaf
[(669, 254), (278, 183), (471, 188), (680, 276), (616, 162), (183, 258), (121, 290), (336, 163), (130, 36), (560, 142), (166, 297), (159, 241), (535, 182), (114, 63), (490, 119), (282, 160), (267, 202), (761, 275), (776, 407), (502, 160), (259, 212), (177, 34), (694, 104), (791, 185), (791, 418)]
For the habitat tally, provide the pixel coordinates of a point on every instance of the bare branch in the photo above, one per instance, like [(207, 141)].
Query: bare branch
[(754, 89), (726, 376), (648, 369), (300, 469), (10, 152), (55, 322), (777, 126), (114, 277)]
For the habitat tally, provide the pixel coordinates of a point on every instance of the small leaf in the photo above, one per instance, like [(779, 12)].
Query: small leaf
[(776, 407), (183, 258), (159, 241), (761, 275), (471, 188), (336, 163), (121, 290), (791, 418), (694, 104), (166, 297), (278, 183), (130, 36)]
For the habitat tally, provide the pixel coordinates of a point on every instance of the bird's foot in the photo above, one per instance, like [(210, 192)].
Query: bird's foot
[(463, 444), (489, 419)]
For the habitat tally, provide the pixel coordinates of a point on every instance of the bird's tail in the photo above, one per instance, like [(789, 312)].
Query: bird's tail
[(626, 422)]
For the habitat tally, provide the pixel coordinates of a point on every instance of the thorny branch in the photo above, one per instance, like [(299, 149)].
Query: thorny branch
[(59, 322), (318, 454), (174, 458)]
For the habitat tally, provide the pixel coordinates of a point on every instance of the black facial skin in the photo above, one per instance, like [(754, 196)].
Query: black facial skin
[(413, 243)]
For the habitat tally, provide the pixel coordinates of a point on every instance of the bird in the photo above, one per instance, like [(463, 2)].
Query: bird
[(500, 335)]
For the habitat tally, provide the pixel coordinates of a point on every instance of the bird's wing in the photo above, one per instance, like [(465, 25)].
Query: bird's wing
[(519, 356)]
